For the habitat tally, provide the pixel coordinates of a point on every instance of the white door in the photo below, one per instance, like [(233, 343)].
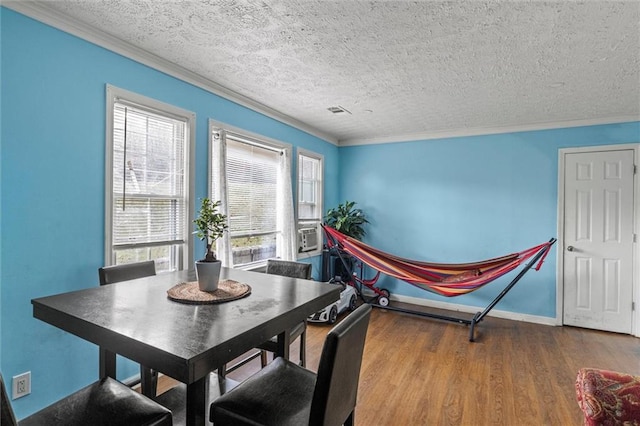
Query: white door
[(598, 240)]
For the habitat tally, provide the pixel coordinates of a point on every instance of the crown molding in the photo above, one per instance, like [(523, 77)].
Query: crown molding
[(41, 12), (479, 131)]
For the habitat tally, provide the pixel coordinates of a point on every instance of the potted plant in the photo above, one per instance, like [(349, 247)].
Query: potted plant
[(347, 219), (210, 225), (350, 221)]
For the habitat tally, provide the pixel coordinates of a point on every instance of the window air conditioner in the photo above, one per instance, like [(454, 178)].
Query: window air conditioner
[(307, 239)]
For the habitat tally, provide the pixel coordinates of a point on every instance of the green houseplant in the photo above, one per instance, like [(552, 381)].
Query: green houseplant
[(210, 225), (347, 219)]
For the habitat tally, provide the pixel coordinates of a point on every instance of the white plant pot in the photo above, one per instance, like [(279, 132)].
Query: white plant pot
[(208, 274)]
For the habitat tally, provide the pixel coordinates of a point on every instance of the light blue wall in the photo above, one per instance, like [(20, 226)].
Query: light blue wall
[(469, 198), (52, 185), (1, 86)]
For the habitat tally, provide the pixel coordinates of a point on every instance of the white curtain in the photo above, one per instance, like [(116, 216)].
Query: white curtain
[(219, 179), (286, 247)]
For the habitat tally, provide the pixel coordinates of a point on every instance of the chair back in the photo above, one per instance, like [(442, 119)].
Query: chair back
[(126, 272), (287, 268), (7, 418), (334, 397)]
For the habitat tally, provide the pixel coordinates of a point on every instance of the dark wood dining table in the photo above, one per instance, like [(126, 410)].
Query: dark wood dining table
[(137, 320)]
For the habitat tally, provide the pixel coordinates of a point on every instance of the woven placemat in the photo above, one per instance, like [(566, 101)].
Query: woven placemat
[(190, 292)]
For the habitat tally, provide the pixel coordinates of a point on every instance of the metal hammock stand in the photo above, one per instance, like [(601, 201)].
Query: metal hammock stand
[(429, 275)]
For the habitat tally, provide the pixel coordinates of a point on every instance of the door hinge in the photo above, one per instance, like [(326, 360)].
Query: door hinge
[(635, 169), (635, 238), (633, 306)]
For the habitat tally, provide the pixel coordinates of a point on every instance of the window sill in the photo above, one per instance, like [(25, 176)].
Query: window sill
[(254, 267), (308, 254)]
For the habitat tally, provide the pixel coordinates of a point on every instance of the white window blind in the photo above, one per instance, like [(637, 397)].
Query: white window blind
[(149, 186), (252, 185), (309, 188)]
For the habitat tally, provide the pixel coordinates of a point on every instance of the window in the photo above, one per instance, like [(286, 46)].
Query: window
[(148, 181), (255, 181), (310, 180)]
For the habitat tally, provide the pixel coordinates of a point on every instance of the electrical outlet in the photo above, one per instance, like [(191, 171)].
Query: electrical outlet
[(21, 385)]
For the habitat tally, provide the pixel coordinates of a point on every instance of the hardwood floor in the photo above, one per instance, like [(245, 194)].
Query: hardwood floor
[(420, 371)]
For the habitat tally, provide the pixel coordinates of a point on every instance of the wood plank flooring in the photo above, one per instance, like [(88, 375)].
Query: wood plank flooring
[(421, 371)]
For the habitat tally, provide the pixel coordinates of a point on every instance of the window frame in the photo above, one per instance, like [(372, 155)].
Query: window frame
[(248, 137), (114, 95), (306, 223)]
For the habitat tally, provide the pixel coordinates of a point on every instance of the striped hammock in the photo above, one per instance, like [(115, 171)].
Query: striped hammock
[(444, 279)]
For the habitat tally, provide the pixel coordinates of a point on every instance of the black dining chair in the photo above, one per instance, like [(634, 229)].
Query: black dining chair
[(284, 393), (283, 268), (291, 269), (125, 272), (102, 403)]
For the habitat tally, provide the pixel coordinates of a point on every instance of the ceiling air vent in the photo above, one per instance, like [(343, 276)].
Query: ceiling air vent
[(338, 110)]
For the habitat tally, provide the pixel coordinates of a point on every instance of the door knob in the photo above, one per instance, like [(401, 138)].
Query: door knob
[(570, 248)]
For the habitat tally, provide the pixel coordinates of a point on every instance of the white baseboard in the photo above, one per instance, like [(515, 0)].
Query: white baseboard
[(473, 309)]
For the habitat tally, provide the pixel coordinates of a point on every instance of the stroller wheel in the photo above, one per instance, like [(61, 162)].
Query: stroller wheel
[(383, 301)]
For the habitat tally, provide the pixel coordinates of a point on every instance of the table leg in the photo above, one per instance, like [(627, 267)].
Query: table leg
[(284, 340), (107, 363), (197, 410), (148, 382)]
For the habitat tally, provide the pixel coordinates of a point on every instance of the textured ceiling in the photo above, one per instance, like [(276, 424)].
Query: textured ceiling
[(401, 69)]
